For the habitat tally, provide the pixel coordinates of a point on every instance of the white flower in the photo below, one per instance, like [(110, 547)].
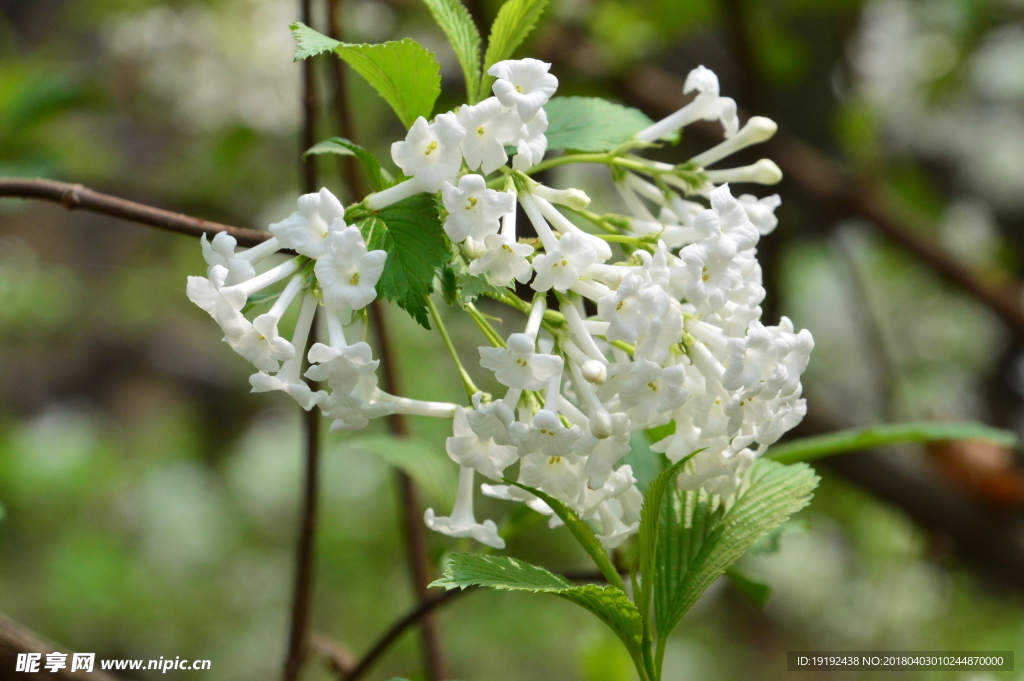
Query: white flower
[(341, 367), (711, 272), (561, 476), (504, 260), (491, 420), (631, 308), (794, 354), (648, 391), (473, 209), (206, 293), (603, 454), (305, 231), (613, 531), (287, 379), (726, 217), (222, 252), (489, 127), (262, 352), (519, 366), (752, 361), (709, 105), (466, 448), (430, 153), (545, 434), (348, 273), (354, 411), (462, 522), (761, 211), (523, 84), (531, 147), (561, 268)]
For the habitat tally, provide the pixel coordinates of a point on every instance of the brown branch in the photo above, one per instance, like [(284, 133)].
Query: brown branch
[(75, 196), (302, 595), (17, 639), (337, 658)]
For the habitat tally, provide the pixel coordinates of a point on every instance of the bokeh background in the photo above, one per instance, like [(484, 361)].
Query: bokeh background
[(150, 500)]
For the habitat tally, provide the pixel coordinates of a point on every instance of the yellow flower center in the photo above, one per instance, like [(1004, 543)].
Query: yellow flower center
[(522, 362), (704, 274), (430, 148), (480, 130), (354, 279), (519, 89), (507, 247), (471, 202), (621, 303), (554, 459), (652, 386)]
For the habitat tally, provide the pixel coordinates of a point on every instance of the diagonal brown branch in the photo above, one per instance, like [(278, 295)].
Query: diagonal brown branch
[(17, 639), (75, 196)]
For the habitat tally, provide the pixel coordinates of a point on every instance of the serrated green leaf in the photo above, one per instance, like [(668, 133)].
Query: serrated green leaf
[(498, 572), (454, 19), (751, 589), (309, 43), (405, 73), (583, 534), (591, 123), (650, 525), (410, 232), (427, 465), (609, 603), (811, 448), (515, 20), (699, 539), (378, 177)]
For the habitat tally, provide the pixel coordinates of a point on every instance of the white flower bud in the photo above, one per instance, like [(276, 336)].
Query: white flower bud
[(594, 371), (601, 424), (763, 172)]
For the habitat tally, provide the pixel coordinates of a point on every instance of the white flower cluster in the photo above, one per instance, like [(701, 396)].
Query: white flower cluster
[(668, 333)]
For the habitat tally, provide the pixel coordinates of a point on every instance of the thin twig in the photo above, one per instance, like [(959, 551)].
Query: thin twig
[(302, 595), (419, 613), (16, 639), (342, 113), (74, 196)]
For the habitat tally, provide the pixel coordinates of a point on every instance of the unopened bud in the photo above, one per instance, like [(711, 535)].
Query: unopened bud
[(763, 172), (601, 425), (594, 372), (576, 199), (473, 248)]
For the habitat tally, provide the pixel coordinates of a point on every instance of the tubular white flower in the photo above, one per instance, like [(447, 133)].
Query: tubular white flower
[(504, 260), (483, 455), (761, 211), (348, 272), (491, 421), (524, 85), (473, 209), (489, 127), (462, 522), (236, 296), (431, 153), (305, 231), (560, 268), (707, 105), (648, 392), (222, 252), (288, 379), (530, 149), (576, 199), (206, 293), (565, 226), (340, 364), (631, 308), (758, 129), (711, 272), (519, 366), (763, 172)]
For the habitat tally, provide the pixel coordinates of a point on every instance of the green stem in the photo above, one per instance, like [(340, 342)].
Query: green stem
[(485, 326), (605, 158), (659, 658), (467, 382)]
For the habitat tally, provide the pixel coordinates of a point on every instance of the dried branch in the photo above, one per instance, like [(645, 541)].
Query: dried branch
[(74, 196), (16, 638), (302, 595)]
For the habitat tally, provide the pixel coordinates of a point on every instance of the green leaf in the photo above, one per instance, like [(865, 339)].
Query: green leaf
[(515, 20), (650, 524), (583, 534), (591, 123), (309, 43), (411, 233), (609, 603), (405, 73), (499, 572), (378, 177), (699, 539), (811, 448), (751, 589), (454, 19), (427, 465)]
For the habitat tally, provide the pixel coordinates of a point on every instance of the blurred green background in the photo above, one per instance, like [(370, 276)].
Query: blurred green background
[(150, 499)]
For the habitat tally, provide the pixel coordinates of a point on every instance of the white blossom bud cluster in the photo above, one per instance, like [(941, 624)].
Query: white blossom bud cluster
[(667, 332)]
